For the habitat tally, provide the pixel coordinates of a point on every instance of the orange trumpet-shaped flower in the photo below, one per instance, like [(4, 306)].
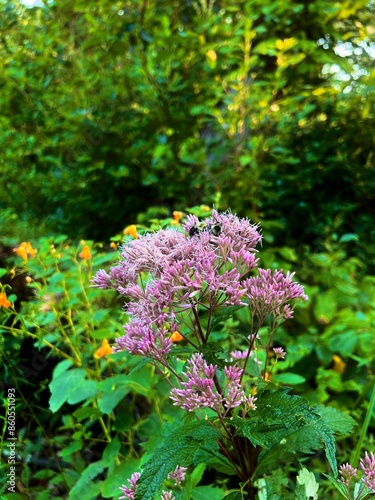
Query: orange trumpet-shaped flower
[(4, 302), (339, 364), (85, 254), (131, 231), (103, 350), (176, 337), (25, 250), (177, 216)]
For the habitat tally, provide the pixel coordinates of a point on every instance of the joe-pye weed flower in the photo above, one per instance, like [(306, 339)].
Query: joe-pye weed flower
[(177, 280)]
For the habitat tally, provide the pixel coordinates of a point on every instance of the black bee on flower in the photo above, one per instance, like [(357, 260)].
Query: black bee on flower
[(212, 228)]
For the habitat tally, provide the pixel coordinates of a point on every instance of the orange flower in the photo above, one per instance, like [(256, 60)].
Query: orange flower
[(4, 302), (176, 336), (131, 231), (85, 254), (338, 364), (177, 216), (103, 350), (25, 250)]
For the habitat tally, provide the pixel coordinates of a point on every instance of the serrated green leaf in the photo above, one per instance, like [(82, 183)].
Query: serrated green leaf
[(235, 495), (338, 422), (285, 425), (178, 448)]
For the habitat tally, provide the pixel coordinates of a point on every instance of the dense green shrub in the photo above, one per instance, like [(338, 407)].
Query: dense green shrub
[(108, 109)]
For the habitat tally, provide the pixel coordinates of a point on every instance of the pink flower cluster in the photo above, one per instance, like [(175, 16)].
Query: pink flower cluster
[(367, 464), (200, 389), (169, 276)]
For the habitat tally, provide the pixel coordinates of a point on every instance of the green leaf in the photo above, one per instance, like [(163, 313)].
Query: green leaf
[(207, 493), (110, 399), (111, 451), (284, 425), (222, 314), (118, 476), (85, 488), (70, 386), (338, 422), (234, 495), (289, 378), (306, 486), (179, 448)]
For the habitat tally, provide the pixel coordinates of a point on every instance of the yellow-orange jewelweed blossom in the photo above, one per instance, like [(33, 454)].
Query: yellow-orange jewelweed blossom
[(339, 364), (4, 302), (25, 250), (85, 254), (177, 216), (103, 350), (131, 231), (176, 336)]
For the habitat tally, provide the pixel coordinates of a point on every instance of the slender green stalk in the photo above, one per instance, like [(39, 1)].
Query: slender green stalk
[(366, 423)]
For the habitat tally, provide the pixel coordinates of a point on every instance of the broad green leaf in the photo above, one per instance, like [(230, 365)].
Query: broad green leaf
[(67, 386), (85, 488), (285, 424), (179, 448), (289, 378), (207, 493)]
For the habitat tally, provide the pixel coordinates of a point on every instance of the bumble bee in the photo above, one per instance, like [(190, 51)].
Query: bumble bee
[(214, 229)]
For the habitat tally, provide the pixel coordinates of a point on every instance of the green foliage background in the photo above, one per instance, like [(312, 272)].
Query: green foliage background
[(108, 108)]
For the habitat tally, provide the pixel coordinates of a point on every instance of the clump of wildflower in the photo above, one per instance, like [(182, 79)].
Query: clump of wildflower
[(129, 492), (192, 271), (25, 250), (178, 475)]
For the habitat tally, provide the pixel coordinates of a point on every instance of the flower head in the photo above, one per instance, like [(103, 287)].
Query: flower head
[(131, 231), (178, 475), (25, 250), (103, 350), (4, 302), (367, 465), (129, 492), (167, 495), (279, 352), (86, 253)]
